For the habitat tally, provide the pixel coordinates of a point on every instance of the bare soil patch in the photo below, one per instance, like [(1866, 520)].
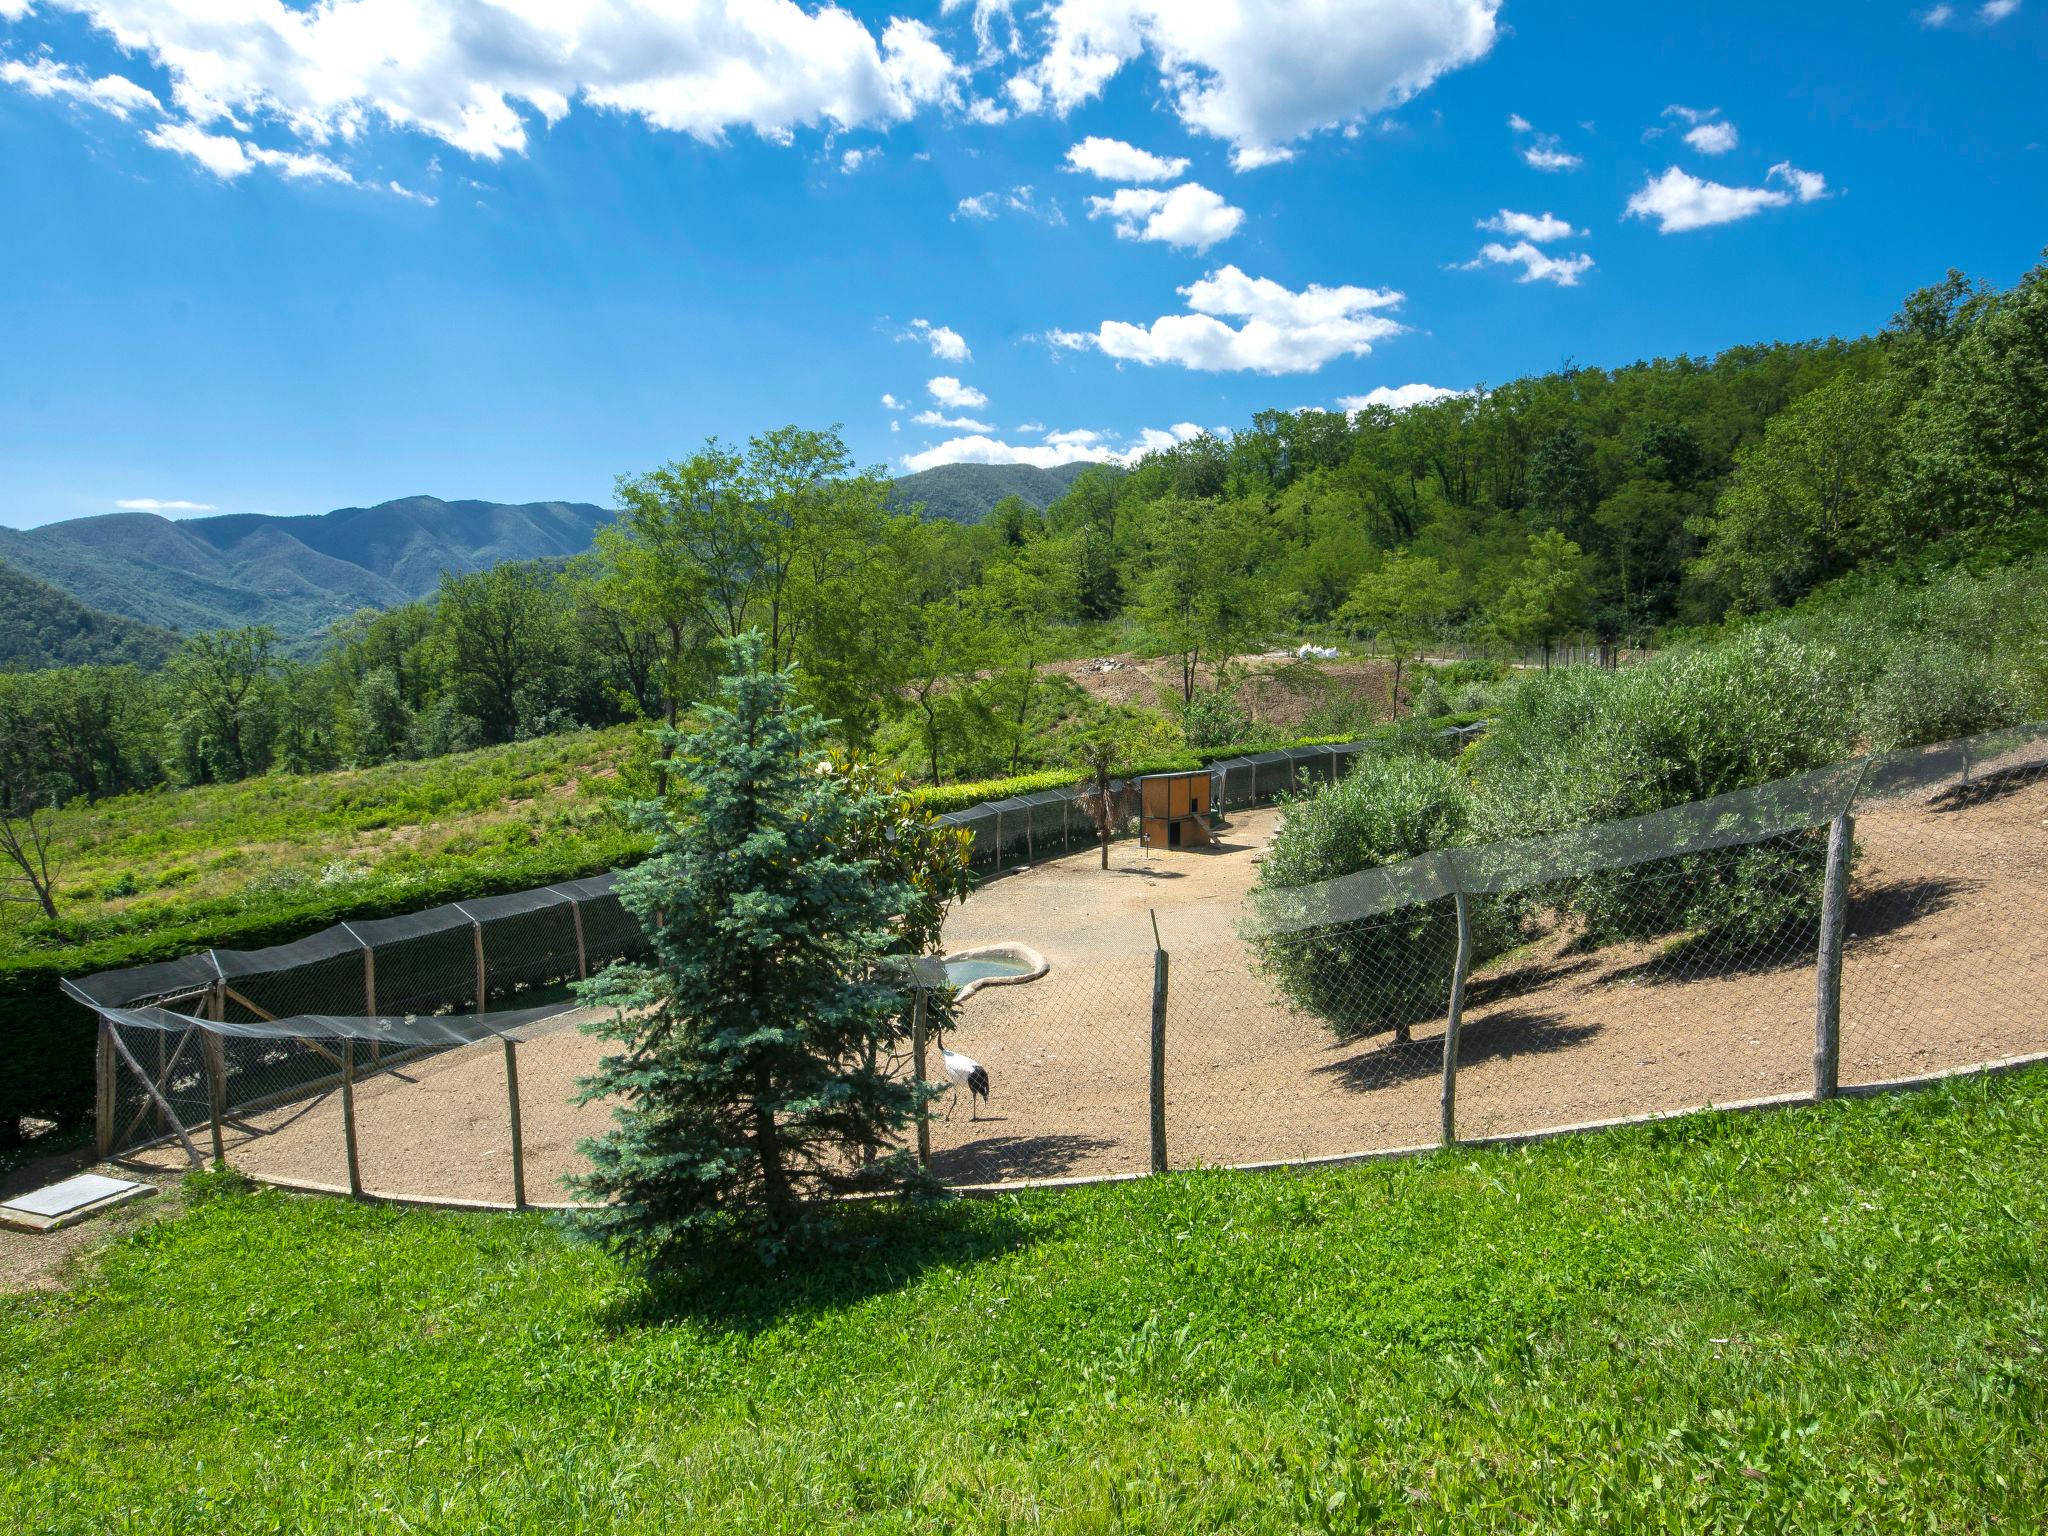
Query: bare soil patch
[(1279, 694)]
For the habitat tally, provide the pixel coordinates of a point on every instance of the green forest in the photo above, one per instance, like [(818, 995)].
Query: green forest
[(1623, 507)]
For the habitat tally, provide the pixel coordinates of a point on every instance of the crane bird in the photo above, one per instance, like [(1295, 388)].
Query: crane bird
[(966, 1073)]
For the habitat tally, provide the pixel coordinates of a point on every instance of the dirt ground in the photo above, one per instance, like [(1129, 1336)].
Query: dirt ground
[(1279, 692), (1945, 962)]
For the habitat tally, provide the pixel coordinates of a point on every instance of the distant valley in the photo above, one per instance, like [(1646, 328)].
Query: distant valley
[(113, 587)]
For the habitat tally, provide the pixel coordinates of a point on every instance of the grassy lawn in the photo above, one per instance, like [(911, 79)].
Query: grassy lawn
[(1826, 1319)]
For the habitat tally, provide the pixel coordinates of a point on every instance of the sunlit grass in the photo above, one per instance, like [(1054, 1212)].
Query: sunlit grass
[(1817, 1320)]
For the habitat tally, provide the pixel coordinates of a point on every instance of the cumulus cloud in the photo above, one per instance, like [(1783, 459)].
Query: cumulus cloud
[(980, 206), (1992, 12), (474, 72), (1396, 397), (1282, 332), (1541, 227), (411, 196), (1114, 160), (853, 159), (1937, 16), (231, 158), (1543, 151), (954, 395), (944, 341), (1705, 129), (890, 402), (1065, 447), (1258, 74), (951, 423), (48, 78), (1190, 217), (1538, 266), (1679, 201), (152, 504), (1020, 199)]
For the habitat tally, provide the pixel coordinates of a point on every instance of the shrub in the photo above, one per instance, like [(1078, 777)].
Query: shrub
[(1579, 746), (1931, 693), (1383, 972)]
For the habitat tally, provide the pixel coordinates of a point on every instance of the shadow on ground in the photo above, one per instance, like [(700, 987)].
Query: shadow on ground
[(1384, 1062), (875, 1248), (1015, 1157)]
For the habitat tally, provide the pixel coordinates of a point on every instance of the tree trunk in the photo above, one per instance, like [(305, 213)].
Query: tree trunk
[(768, 1147)]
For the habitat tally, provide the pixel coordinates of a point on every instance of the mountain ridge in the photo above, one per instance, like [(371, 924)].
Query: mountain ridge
[(301, 573)]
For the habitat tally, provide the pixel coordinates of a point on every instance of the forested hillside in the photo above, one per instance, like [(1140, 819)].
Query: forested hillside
[(1604, 505), (967, 493), (296, 575), (43, 627)]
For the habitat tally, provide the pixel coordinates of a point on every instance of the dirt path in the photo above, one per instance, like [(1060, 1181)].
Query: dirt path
[(1947, 956)]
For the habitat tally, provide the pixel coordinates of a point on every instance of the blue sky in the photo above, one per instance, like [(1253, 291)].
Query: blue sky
[(266, 257)]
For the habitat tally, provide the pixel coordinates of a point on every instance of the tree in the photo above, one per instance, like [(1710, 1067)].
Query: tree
[(380, 726), (1808, 501), (1019, 599), (1103, 744), (750, 1083), (26, 841), (223, 685), (1405, 602), (506, 638), (1547, 598), (1204, 595)]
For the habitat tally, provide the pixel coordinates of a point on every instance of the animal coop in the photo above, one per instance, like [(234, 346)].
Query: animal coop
[(1173, 810)]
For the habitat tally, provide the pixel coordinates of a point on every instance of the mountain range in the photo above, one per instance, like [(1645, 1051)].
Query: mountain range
[(124, 579)]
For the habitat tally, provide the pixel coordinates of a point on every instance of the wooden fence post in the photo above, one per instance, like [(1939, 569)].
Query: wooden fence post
[(518, 1143), (1461, 968), (482, 976), (1834, 922), (348, 1113), (370, 998), (104, 1069), (924, 1119), (582, 955), (214, 1050), (1158, 1051)]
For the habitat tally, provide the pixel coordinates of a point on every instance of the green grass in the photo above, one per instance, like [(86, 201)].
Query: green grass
[(1825, 1319)]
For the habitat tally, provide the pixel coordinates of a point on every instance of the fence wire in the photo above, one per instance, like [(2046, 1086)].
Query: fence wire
[(1657, 965)]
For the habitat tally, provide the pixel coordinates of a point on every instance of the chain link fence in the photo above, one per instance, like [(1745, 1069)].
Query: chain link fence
[(1691, 958)]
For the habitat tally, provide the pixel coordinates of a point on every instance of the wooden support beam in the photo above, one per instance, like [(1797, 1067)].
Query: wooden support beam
[(149, 1088), (1834, 922), (917, 1048), (348, 1115), (518, 1143), (1158, 1058)]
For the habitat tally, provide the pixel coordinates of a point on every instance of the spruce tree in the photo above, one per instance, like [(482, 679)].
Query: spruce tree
[(754, 1080)]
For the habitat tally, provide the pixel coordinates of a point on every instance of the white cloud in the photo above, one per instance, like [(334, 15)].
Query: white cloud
[(412, 196), (854, 159), (1541, 227), (1396, 397), (1259, 74), (46, 77), (1538, 266), (1114, 160), (944, 341), (1020, 199), (1252, 158), (954, 395), (152, 504), (890, 402), (230, 158), (1807, 186), (1937, 16), (980, 206), (1283, 331), (1520, 124), (1992, 12), (987, 13), (1713, 138), (1058, 448), (1031, 426), (951, 423), (473, 72), (1680, 202), (1189, 218), (1545, 155), (14, 10), (1706, 130)]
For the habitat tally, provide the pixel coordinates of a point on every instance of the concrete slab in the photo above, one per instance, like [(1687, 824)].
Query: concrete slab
[(70, 1201)]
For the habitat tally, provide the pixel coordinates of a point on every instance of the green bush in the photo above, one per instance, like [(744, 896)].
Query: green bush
[(1578, 746), (1933, 693), (1384, 972)]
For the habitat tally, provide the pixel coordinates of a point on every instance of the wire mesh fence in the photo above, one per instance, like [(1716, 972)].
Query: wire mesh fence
[(1657, 965)]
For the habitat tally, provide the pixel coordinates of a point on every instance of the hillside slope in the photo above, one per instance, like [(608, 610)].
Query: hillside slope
[(966, 493), (43, 627), (297, 574)]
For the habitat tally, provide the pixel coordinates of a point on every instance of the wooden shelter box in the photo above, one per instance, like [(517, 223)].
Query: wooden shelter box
[(1173, 810)]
